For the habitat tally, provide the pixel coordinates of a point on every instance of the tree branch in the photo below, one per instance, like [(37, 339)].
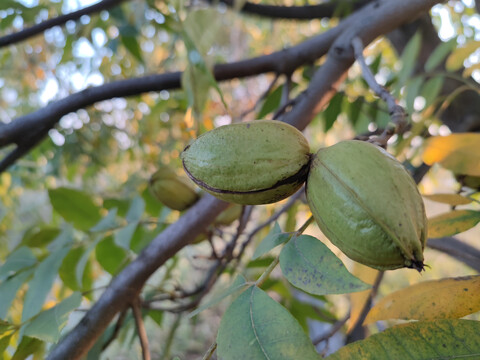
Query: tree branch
[(397, 113), (458, 250), (142, 333), (57, 21), (281, 62), (371, 21), (306, 12)]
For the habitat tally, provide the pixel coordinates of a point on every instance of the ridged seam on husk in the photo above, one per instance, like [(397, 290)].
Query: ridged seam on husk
[(410, 257), (331, 235), (297, 178)]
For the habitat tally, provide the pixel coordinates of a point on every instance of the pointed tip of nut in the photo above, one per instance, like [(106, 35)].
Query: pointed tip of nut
[(418, 265)]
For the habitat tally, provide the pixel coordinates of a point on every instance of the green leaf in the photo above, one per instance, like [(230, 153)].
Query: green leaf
[(109, 222), (40, 237), (4, 342), (424, 340), (303, 312), (412, 90), (408, 59), (260, 263), (375, 65), (204, 29), (122, 205), (27, 347), (40, 285), (124, 235), (271, 103), (333, 110), (65, 238), (439, 54), (237, 286), (74, 271), (431, 89), (274, 238), (354, 109), (152, 206), (75, 206), (453, 222), (67, 271), (141, 238), (48, 324), (257, 327), (19, 259), (156, 316), (309, 265), (67, 49), (110, 256), (131, 43), (5, 326), (459, 55), (197, 78), (9, 288), (196, 83), (7, 21), (136, 209), (363, 121)]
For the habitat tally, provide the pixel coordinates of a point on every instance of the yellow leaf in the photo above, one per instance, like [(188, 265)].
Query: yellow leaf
[(359, 299), (452, 223), (457, 152), (450, 298), (189, 121), (458, 56), (451, 199)]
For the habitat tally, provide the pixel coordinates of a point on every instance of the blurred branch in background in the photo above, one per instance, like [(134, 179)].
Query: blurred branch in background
[(57, 21)]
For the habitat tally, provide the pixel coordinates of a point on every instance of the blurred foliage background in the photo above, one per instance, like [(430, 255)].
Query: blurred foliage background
[(85, 185)]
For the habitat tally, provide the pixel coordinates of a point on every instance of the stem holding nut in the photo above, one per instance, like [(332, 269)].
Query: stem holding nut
[(397, 112)]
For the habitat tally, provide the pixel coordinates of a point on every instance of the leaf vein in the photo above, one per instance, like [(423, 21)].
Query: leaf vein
[(253, 326)]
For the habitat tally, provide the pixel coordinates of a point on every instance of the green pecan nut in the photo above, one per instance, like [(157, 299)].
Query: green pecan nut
[(172, 190), (249, 163), (367, 205)]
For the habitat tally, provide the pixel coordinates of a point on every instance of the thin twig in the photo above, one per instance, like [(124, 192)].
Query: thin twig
[(269, 221), (210, 351), (368, 302), (284, 107), (116, 330), (218, 267), (267, 272), (170, 337), (275, 262), (397, 112), (142, 334), (262, 97), (287, 87), (333, 330)]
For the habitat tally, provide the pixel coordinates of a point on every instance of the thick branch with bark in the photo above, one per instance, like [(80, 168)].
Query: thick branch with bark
[(126, 286), (37, 123), (373, 20), (368, 23)]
